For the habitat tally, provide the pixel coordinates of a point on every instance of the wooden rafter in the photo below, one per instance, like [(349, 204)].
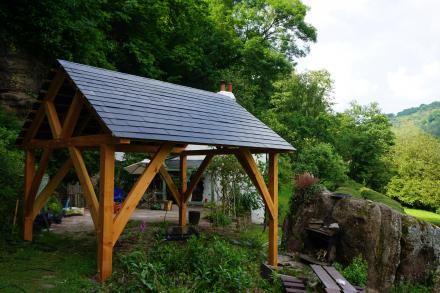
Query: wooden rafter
[(170, 183), (86, 183), (139, 189), (53, 119), (245, 158), (197, 176), (72, 116), (51, 93), (44, 195)]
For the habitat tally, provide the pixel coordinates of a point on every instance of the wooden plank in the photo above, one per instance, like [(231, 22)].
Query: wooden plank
[(54, 87), (76, 141), (86, 183), (325, 278), (197, 176), (52, 117), (44, 195), (293, 285), (273, 221), (183, 164), (294, 290), (105, 219), (287, 278), (340, 280), (72, 116), (247, 161), (170, 183), (138, 190), (29, 173)]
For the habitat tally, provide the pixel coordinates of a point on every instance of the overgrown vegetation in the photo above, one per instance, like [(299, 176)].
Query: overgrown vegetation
[(11, 170), (205, 264), (356, 272)]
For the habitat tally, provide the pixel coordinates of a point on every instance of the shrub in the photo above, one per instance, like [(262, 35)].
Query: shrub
[(404, 287), (204, 264), (356, 272), (219, 218)]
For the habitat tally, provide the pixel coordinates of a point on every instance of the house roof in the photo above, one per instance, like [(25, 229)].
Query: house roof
[(135, 107)]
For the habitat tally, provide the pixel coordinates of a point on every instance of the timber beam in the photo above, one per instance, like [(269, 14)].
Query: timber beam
[(138, 190), (245, 158)]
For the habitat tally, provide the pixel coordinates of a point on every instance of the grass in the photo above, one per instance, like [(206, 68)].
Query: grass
[(52, 263), (430, 217), (359, 191)]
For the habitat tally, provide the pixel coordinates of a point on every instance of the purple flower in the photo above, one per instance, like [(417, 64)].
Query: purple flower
[(142, 227)]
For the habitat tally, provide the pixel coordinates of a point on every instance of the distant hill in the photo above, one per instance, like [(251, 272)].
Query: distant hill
[(427, 117)]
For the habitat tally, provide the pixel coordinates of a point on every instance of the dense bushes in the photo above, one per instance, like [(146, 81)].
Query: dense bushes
[(205, 264), (11, 170)]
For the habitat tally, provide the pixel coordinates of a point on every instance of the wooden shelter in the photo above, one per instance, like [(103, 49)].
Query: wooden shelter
[(83, 107)]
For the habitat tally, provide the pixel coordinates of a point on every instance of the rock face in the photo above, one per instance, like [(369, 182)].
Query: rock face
[(21, 76), (396, 246)]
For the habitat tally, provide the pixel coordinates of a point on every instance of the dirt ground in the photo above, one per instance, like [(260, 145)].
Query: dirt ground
[(85, 224)]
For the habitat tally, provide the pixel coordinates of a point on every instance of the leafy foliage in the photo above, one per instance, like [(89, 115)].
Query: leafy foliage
[(416, 157), (356, 272), (205, 264), (237, 195), (363, 137), (321, 160), (11, 171)]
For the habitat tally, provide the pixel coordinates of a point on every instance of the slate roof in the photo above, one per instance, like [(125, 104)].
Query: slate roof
[(135, 107)]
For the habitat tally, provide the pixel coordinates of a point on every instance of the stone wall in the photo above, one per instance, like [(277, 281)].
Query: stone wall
[(396, 246)]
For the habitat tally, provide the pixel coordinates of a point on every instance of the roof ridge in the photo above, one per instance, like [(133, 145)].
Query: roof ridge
[(166, 83)]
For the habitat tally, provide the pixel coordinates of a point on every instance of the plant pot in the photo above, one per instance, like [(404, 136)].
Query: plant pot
[(194, 217), (168, 205)]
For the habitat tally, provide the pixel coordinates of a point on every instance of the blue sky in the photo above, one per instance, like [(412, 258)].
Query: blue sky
[(382, 51)]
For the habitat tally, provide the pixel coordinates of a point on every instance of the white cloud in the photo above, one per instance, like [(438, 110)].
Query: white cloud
[(384, 51)]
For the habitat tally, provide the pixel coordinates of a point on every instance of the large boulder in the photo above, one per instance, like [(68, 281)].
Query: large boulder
[(396, 246)]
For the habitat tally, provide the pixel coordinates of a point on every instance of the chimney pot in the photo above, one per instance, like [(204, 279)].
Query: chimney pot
[(230, 87), (222, 86)]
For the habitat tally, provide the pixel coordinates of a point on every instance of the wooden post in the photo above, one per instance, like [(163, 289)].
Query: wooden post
[(183, 187), (273, 219), (29, 172), (105, 211)]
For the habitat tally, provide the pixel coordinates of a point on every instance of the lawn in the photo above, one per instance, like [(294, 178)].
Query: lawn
[(424, 215), (359, 191)]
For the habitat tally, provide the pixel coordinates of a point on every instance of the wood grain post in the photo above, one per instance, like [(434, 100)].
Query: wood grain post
[(29, 172), (183, 187), (105, 211), (273, 220)]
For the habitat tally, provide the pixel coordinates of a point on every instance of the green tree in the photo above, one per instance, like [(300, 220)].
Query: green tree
[(321, 160), (417, 159), (363, 137)]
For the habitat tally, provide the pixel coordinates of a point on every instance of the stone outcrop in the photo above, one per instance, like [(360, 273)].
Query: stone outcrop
[(396, 246), (21, 76)]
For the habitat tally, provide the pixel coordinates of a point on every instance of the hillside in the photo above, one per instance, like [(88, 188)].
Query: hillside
[(427, 117)]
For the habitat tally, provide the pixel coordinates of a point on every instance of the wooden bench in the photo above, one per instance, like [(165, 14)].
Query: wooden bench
[(292, 284), (333, 281)]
